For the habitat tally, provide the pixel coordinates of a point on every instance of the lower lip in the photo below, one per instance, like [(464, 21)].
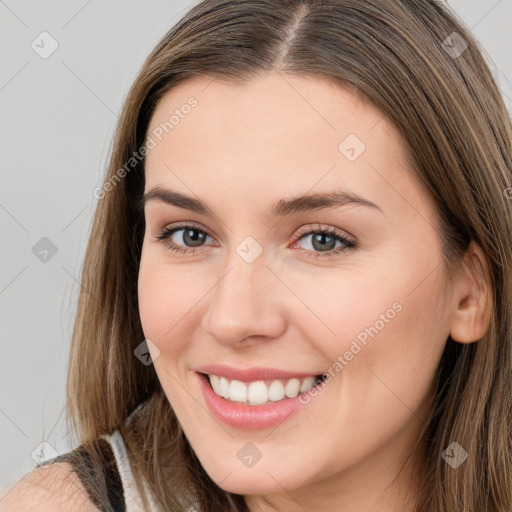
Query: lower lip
[(248, 417)]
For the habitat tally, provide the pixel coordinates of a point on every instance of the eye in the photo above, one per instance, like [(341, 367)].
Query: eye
[(191, 236), (323, 241)]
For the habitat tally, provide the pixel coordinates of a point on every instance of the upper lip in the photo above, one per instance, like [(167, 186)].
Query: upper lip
[(251, 374)]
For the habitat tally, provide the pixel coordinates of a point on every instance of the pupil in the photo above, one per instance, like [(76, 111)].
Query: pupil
[(191, 239), (322, 238)]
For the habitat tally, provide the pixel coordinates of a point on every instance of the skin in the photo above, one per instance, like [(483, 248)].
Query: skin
[(243, 148)]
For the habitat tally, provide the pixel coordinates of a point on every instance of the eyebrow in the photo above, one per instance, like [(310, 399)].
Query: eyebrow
[(282, 208)]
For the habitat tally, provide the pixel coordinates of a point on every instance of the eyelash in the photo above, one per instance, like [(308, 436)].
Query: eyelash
[(164, 235)]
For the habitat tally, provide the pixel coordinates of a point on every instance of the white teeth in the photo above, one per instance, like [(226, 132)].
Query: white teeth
[(307, 384), (224, 387), (276, 391), (258, 392), (292, 388), (214, 381), (237, 391)]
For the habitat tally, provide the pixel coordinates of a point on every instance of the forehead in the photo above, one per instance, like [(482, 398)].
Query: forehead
[(275, 132), (274, 99)]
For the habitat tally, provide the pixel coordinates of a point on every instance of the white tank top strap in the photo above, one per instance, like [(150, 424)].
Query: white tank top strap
[(132, 496)]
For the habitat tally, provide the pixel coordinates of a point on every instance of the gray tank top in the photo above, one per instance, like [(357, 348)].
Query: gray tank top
[(132, 498), (122, 493)]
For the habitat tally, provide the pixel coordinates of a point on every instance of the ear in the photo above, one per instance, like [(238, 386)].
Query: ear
[(471, 319)]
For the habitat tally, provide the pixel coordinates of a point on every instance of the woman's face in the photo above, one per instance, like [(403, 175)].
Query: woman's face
[(264, 289)]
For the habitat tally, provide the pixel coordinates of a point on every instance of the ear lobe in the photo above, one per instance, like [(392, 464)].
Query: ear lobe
[(472, 317)]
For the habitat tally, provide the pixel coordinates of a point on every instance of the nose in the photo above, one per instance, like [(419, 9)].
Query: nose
[(246, 305)]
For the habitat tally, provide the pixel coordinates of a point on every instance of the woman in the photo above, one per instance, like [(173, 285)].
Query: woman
[(297, 289)]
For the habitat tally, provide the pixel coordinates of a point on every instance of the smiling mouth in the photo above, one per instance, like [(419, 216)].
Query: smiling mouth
[(260, 392)]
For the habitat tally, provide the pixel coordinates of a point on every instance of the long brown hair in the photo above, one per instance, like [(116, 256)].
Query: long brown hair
[(404, 58)]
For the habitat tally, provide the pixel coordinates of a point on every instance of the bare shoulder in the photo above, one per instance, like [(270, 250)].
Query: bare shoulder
[(52, 488)]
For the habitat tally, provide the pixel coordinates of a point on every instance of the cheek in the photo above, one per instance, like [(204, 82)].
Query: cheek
[(345, 307), (393, 370), (379, 326), (166, 296)]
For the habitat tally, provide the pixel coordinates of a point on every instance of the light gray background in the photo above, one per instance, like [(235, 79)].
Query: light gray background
[(57, 120)]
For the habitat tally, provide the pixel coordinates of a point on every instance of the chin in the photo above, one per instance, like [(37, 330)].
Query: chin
[(247, 482), (260, 479)]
